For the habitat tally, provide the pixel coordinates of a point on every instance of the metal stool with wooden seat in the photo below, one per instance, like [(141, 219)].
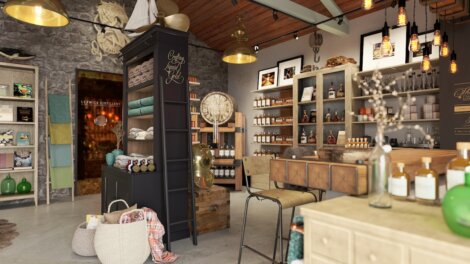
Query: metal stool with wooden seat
[(284, 198)]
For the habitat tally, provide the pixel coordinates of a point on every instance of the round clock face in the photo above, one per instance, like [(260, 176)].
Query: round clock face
[(217, 106)]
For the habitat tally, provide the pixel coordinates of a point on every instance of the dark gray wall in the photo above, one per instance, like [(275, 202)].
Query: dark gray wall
[(60, 51), (455, 127)]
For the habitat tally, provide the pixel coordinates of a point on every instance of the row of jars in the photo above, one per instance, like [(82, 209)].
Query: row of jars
[(271, 101), (223, 172), (223, 152), (266, 120), (268, 137), (262, 153)]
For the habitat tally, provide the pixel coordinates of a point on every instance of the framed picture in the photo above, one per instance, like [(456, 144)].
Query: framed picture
[(288, 68), (434, 50), (22, 90), (24, 114), (23, 159), (267, 78), (371, 57), (307, 94), (23, 139)]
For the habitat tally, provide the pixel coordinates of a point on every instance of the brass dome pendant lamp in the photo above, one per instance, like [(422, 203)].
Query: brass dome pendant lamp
[(239, 52), (46, 13)]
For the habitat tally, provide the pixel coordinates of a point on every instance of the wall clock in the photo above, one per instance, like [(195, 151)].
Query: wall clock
[(217, 108)]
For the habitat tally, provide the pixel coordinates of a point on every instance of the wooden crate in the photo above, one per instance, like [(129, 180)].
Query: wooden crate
[(212, 209)]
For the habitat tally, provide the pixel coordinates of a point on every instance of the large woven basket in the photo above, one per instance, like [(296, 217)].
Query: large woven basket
[(82, 242), (122, 243)]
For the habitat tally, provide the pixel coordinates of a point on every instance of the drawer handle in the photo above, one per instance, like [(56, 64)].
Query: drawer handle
[(324, 240), (372, 257)]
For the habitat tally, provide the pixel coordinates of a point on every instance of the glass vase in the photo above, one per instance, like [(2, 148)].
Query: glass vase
[(455, 208), (380, 170)]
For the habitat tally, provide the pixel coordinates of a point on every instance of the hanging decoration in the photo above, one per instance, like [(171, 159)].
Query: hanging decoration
[(437, 30), (109, 41), (426, 63), (453, 57), (402, 19), (386, 48), (414, 40), (239, 52)]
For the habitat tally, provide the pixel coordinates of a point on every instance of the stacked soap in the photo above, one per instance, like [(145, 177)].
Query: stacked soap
[(142, 106)]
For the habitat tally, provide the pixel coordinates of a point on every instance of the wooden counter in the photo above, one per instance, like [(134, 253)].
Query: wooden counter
[(347, 230)]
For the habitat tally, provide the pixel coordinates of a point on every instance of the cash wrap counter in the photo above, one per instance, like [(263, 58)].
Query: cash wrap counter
[(344, 175)]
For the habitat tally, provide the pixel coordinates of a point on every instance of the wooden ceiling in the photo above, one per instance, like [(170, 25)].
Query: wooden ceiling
[(213, 21)]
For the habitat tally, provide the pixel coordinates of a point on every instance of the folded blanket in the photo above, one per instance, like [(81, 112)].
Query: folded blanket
[(60, 133), (61, 177), (60, 155)]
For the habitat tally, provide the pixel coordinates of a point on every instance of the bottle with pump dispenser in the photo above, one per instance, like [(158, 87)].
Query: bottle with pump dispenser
[(427, 184), (456, 167), (399, 183)]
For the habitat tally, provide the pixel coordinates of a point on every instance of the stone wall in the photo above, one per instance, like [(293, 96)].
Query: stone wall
[(60, 51)]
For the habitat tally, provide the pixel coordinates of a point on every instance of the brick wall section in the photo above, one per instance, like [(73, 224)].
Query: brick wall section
[(60, 51)]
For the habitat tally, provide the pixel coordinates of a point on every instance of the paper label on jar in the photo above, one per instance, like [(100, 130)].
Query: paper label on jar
[(399, 187), (425, 187), (454, 177)]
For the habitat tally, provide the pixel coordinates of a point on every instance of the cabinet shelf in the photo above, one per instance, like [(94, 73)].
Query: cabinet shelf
[(277, 125), (307, 103), (333, 123), (195, 113), (18, 99), (194, 83), (194, 99), (272, 90), (404, 121), (17, 147), (195, 128), (14, 197), (16, 171), (222, 162), (333, 100), (402, 94), (307, 144), (273, 107), (150, 116), (225, 181), (273, 144), (307, 124), (221, 130)]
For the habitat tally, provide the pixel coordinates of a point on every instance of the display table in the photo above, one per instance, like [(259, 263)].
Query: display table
[(347, 230)]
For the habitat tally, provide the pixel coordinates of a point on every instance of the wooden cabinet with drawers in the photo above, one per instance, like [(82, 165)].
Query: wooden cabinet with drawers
[(346, 230)]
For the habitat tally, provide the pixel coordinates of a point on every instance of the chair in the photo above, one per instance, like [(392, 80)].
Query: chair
[(257, 168), (284, 198)]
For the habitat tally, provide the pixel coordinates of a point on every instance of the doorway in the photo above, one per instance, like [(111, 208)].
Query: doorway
[(99, 108)]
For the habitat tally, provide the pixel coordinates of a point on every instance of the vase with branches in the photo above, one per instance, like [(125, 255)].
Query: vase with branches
[(380, 169), (119, 132)]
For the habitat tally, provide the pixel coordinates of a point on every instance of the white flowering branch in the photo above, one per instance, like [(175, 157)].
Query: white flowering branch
[(376, 88), (119, 132)]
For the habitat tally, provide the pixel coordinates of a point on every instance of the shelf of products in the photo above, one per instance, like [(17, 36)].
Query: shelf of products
[(19, 139), (272, 90), (403, 94), (307, 103), (273, 107), (280, 125), (230, 151), (194, 106), (404, 121)]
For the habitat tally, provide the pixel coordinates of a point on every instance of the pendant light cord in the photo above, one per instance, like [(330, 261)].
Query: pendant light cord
[(426, 25), (414, 11)]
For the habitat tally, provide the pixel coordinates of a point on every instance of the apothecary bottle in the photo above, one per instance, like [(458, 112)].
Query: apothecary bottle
[(379, 172), (399, 183), (331, 92), (255, 103), (221, 151), (227, 151), (456, 168), (427, 183), (232, 151)]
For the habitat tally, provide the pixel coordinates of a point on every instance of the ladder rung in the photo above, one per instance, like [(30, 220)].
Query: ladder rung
[(177, 130), (175, 102), (178, 190), (177, 160)]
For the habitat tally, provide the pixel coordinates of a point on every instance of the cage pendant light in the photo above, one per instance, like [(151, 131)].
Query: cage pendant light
[(386, 48), (426, 63), (47, 13), (414, 40), (402, 19), (239, 52)]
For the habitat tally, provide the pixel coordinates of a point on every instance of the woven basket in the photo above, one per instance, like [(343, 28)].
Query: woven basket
[(82, 242), (122, 243)]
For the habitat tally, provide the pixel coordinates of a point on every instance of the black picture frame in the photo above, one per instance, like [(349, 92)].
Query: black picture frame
[(262, 72), (281, 69), (363, 36)]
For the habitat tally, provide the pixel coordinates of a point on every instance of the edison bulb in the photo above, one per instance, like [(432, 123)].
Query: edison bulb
[(367, 4), (401, 20), (453, 67), (426, 64), (386, 47), (437, 38), (414, 43), (444, 49)]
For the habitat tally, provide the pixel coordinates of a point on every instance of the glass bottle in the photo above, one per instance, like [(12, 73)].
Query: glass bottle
[(232, 172), (221, 151), (227, 172), (328, 116), (216, 172), (331, 92), (311, 138), (340, 92), (304, 117), (227, 151), (379, 172), (255, 121), (255, 103), (455, 207), (336, 117), (263, 102), (313, 116), (426, 183), (331, 139), (267, 120), (268, 138), (303, 137), (255, 138), (399, 183), (456, 167)]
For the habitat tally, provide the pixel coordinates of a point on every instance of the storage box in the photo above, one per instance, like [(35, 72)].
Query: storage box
[(6, 113), (212, 209)]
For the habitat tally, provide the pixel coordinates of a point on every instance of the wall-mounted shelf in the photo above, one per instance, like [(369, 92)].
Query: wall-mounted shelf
[(273, 107), (15, 98), (275, 89), (404, 121), (307, 103), (402, 94), (341, 99), (280, 125)]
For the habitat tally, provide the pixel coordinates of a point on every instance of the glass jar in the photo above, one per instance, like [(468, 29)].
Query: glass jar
[(427, 184), (456, 167), (380, 171)]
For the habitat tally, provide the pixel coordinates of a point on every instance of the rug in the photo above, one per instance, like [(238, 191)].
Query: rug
[(7, 233)]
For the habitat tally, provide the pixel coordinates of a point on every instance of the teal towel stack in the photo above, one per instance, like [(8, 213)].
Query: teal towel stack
[(142, 106)]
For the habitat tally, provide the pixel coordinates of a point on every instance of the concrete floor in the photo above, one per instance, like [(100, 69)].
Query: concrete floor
[(46, 233)]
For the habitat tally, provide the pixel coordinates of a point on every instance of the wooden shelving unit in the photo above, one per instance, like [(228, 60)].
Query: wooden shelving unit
[(233, 134), (25, 74), (195, 115)]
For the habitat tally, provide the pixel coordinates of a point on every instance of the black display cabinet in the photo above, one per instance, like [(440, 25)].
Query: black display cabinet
[(156, 67)]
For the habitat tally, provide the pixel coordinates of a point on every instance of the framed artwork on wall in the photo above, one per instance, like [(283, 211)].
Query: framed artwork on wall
[(371, 57), (434, 50), (288, 68), (267, 78)]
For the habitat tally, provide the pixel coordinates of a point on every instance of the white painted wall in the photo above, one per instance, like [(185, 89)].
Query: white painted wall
[(243, 78)]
